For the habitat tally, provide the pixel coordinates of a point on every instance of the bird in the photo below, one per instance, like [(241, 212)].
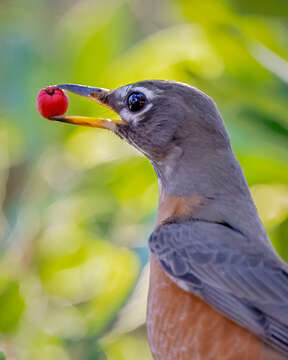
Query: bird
[(218, 290)]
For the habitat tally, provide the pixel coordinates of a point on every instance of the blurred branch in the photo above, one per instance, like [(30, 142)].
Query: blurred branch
[(270, 60)]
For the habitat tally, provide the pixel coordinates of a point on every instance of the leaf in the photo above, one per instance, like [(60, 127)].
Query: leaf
[(12, 306)]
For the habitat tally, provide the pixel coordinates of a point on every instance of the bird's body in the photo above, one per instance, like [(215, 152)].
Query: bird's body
[(182, 326), (217, 289)]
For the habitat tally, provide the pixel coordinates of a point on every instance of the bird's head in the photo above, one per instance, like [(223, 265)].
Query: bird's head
[(180, 130), (159, 118)]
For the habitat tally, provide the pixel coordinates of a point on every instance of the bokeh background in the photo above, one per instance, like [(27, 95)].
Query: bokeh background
[(77, 204)]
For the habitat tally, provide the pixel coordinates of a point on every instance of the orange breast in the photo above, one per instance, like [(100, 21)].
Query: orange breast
[(183, 327)]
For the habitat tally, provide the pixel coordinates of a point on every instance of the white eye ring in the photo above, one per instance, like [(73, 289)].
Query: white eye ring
[(135, 117)]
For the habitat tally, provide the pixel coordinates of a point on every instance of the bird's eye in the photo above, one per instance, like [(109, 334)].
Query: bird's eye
[(136, 101)]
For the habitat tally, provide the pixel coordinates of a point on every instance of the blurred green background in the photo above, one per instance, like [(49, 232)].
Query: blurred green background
[(77, 205)]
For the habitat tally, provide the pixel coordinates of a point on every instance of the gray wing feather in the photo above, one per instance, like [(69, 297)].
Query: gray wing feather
[(247, 283)]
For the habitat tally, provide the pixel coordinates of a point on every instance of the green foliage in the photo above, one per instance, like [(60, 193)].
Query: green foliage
[(77, 205), (12, 306)]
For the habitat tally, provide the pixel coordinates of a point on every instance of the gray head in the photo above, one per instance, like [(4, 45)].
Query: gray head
[(162, 116), (159, 116)]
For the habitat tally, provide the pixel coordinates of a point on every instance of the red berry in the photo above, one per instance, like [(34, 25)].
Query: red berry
[(52, 101)]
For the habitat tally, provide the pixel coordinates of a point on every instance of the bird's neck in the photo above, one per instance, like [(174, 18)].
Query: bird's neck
[(200, 173), (208, 186)]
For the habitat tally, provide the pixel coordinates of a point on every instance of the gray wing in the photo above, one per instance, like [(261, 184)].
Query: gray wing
[(248, 284)]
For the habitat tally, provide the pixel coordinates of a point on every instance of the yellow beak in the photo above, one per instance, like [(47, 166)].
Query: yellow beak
[(97, 94), (88, 121)]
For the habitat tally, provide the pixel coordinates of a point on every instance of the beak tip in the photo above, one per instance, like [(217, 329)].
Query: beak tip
[(54, 118)]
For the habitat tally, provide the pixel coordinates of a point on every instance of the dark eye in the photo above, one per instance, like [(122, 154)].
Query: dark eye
[(136, 101)]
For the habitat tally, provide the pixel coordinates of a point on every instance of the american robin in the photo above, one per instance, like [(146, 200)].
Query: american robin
[(217, 288)]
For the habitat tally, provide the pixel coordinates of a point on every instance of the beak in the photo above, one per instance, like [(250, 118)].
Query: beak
[(97, 94)]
